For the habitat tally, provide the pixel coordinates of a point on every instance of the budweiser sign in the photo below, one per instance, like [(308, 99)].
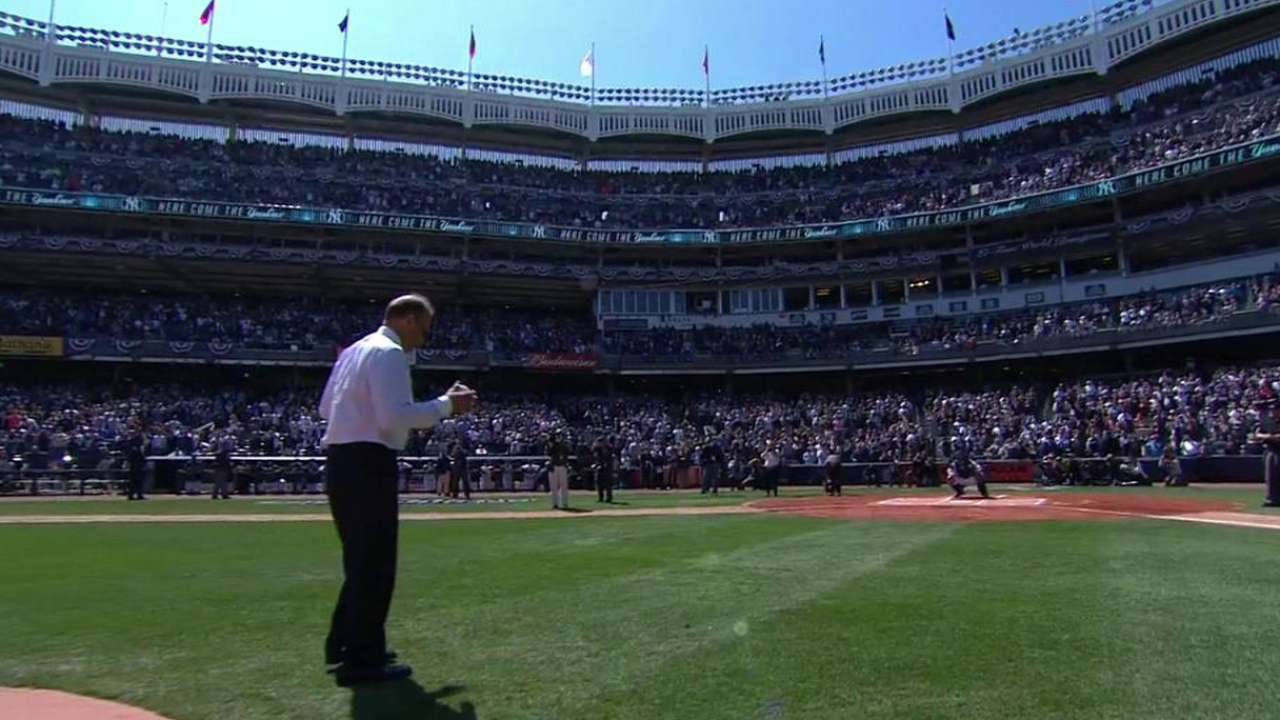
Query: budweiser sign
[(562, 361)]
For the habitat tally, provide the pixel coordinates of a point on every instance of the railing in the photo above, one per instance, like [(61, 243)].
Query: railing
[(1076, 46), (60, 481), (302, 354), (257, 475), (1086, 471), (303, 475), (1242, 323)]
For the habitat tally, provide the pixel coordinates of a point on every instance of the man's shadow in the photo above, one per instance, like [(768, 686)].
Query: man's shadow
[(406, 700)]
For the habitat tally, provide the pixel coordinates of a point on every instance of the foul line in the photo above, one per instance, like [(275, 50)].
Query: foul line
[(1236, 522), (1206, 518)]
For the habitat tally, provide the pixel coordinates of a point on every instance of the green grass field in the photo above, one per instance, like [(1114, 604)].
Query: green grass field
[(161, 504), (744, 616)]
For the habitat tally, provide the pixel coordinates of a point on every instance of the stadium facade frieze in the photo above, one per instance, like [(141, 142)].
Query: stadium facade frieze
[(1236, 156), (1096, 45)]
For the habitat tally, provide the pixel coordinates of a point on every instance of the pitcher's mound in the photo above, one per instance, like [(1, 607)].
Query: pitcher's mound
[(29, 704)]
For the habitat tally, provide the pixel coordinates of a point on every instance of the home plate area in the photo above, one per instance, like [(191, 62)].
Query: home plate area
[(994, 502), (1000, 508)]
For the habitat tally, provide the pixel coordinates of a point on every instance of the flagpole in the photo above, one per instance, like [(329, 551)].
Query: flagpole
[(706, 67), (164, 20), (822, 45), (471, 58), (208, 40), (594, 65), (48, 28), (345, 34), (951, 44)]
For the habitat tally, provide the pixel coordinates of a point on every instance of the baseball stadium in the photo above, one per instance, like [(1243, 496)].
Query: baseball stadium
[(338, 385)]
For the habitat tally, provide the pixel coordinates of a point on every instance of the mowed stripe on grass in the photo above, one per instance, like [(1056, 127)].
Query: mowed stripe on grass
[(718, 617), (317, 504)]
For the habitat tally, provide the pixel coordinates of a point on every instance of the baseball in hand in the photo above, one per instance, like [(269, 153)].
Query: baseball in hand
[(462, 398)]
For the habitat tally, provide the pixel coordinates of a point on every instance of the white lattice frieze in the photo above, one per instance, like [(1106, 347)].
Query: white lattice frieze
[(1094, 46)]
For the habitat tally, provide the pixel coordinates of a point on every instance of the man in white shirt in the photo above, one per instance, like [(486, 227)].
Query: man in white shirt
[(368, 403)]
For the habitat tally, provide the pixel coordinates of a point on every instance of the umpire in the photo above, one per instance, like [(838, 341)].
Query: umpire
[(222, 468), (368, 403), (713, 466), (1269, 435), (605, 466), (136, 457)]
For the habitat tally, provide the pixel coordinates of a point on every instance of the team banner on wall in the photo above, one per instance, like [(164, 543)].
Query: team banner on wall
[(1124, 184), (30, 346)]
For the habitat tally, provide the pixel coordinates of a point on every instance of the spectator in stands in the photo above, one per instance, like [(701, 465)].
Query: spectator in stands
[(1163, 127)]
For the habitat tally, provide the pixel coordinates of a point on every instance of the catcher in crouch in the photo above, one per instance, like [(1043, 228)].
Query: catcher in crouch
[(965, 472)]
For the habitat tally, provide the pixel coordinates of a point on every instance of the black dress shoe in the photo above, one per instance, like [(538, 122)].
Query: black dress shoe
[(348, 675)]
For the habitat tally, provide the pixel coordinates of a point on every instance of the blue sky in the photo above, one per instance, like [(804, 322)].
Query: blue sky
[(647, 43)]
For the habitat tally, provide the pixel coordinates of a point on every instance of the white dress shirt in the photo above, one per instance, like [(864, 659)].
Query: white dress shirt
[(369, 396)]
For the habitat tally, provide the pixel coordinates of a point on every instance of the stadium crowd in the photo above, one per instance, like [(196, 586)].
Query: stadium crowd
[(1181, 308), (1176, 308), (269, 323), (1195, 414), (1234, 107), (308, 323)]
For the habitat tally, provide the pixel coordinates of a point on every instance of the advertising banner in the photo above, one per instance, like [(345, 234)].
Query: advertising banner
[(30, 346)]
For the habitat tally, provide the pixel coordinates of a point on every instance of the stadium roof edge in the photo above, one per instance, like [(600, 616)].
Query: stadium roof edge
[(1131, 50)]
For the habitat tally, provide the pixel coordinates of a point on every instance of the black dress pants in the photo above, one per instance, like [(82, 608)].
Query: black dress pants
[(360, 480)]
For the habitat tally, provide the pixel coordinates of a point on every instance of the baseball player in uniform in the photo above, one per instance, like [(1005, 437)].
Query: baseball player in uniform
[(559, 475), (772, 469), (1269, 435), (963, 473), (834, 484)]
